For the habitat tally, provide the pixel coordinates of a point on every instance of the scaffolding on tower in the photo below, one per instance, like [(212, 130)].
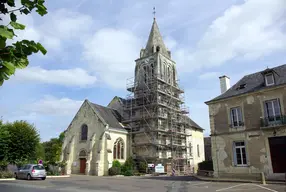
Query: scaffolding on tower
[(157, 119)]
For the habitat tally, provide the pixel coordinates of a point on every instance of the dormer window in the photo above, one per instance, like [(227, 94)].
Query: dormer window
[(269, 79), (241, 86)]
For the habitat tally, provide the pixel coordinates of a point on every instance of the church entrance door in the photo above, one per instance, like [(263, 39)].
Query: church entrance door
[(82, 165)]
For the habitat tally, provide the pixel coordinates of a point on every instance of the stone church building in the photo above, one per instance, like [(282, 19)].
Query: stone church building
[(151, 124)]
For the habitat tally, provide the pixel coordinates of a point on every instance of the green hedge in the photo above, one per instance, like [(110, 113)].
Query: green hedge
[(127, 169), (206, 166), (6, 174)]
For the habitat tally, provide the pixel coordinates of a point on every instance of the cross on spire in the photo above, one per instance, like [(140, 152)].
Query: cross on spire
[(154, 12)]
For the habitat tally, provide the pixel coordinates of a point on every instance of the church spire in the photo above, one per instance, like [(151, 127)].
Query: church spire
[(155, 41)]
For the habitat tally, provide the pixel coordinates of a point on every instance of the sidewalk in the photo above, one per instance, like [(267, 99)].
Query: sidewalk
[(203, 178)]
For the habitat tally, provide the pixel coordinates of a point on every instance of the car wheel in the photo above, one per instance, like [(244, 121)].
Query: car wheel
[(29, 177), (43, 178)]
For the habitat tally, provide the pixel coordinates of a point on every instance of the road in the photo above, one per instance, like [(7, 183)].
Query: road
[(132, 184)]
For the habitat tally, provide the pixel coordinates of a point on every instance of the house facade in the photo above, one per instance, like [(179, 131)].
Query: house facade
[(248, 125)]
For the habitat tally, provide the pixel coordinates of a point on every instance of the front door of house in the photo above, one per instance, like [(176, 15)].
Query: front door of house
[(82, 166), (277, 147)]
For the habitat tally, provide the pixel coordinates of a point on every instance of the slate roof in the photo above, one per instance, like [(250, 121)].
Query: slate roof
[(155, 39), (194, 124), (111, 116), (254, 82)]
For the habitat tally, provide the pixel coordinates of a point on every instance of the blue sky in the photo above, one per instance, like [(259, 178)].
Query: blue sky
[(92, 46)]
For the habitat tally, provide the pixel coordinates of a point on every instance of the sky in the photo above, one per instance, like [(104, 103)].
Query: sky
[(92, 46)]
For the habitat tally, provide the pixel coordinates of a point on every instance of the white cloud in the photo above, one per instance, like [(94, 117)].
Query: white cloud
[(66, 77), (50, 105), (111, 54), (53, 28), (209, 75), (250, 30)]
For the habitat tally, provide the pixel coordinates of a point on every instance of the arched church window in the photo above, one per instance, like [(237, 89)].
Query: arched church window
[(152, 70), (145, 74), (118, 149), (168, 74), (157, 49), (82, 153), (84, 132)]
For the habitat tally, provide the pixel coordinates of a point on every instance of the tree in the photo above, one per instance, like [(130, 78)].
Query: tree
[(4, 142), (15, 56), (53, 149), (40, 152), (19, 142)]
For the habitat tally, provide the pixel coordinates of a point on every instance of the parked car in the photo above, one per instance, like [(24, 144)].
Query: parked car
[(31, 171)]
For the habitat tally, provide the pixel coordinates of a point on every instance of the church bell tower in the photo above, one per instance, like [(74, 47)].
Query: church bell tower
[(156, 116)]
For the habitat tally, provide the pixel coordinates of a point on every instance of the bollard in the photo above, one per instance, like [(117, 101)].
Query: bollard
[(263, 178)]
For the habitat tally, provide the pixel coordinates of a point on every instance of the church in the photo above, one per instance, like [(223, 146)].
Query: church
[(150, 124)]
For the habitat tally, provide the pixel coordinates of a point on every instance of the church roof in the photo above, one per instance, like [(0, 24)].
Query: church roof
[(155, 40), (194, 124), (111, 116)]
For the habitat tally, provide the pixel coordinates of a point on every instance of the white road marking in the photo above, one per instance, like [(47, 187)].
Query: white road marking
[(223, 189), (266, 188), (243, 189)]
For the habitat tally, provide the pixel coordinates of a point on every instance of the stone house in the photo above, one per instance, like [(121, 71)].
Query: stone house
[(248, 125)]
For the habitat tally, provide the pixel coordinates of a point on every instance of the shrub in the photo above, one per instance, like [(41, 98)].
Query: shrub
[(128, 173), (3, 165), (53, 172), (116, 163), (114, 171), (206, 165), (142, 167), (129, 162), (6, 174)]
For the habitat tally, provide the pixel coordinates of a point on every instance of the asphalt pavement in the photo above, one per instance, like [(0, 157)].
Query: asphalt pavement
[(132, 184)]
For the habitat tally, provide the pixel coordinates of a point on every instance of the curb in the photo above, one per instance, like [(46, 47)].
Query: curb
[(58, 176), (238, 181), (8, 179)]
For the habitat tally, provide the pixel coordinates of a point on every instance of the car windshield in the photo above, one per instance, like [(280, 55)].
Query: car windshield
[(39, 167)]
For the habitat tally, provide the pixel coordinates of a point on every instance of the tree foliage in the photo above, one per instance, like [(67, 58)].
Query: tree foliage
[(15, 56), (53, 149), (18, 142)]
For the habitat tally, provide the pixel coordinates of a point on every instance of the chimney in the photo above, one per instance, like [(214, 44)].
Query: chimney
[(224, 83)]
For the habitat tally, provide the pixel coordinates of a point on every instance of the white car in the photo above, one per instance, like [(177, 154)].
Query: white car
[(31, 171)]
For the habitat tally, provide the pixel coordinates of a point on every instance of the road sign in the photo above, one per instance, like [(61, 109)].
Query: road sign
[(151, 165), (159, 168)]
